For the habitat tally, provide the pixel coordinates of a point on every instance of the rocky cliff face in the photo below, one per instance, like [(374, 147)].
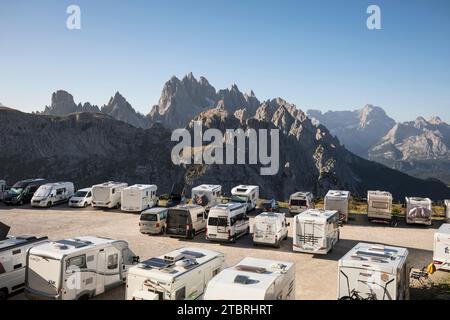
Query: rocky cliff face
[(63, 103), (119, 108)]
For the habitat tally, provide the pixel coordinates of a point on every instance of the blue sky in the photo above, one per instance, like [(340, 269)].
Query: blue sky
[(316, 54)]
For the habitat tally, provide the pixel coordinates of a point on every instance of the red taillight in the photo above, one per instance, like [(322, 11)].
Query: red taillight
[(438, 262), (157, 225)]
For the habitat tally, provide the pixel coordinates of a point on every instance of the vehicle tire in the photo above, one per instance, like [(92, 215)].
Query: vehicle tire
[(21, 203), (248, 231), (163, 230), (85, 204), (278, 244), (346, 298), (192, 234), (84, 297), (118, 206), (3, 294), (49, 204), (255, 244)]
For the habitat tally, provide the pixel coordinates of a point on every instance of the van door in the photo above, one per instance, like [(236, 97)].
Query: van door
[(101, 269)]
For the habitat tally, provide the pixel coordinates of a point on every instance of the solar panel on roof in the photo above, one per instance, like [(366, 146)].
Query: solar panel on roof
[(156, 263), (72, 243)]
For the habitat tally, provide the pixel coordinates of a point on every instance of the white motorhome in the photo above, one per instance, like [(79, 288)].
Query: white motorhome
[(227, 222), (13, 252), (78, 268), (248, 195), (139, 197), (447, 210), (379, 205), (338, 200), (418, 211), (374, 271), (254, 279), (178, 275), (2, 189), (207, 195), (107, 195), (300, 201), (316, 231), (52, 193), (270, 228), (441, 248)]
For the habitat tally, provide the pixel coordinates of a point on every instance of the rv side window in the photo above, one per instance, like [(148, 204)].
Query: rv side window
[(113, 261), (76, 262), (180, 294), (379, 205), (215, 272), (59, 192), (113, 191), (200, 216)]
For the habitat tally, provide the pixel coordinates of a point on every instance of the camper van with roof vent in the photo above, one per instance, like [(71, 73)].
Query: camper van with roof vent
[(373, 270), (207, 195), (316, 231), (186, 221), (418, 211), (339, 201), (22, 191), (139, 197), (227, 222), (107, 195), (2, 189), (270, 228), (13, 252), (254, 279), (77, 268), (52, 194), (248, 195), (178, 275), (300, 201), (441, 248), (379, 205)]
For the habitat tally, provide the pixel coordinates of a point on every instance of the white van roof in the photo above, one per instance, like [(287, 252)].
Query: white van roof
[(243, 189), (57, 184), (173, 264), (253, 275), (301, 194), (379, 194), (270, 215), (85, 190), (419, 200), (318, 215), (444, 229), (59, 249), (375, 257), (154, 210), (338, 194), (111, 184), (230, 206), (142, 187), (207, 187)]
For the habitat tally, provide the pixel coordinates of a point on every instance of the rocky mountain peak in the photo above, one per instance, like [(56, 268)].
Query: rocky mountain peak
[(119, 108)]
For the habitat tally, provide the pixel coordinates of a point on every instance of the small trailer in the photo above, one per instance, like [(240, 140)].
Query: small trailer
[(379, 205), (181, 274), (78, 268), (139, 197), (316, 231), (107, 195), (441, 248), (254, 279), (374, 272), (418, 211), (2, 189), (300, 201), (246, 194), (227, 222), (270, 228), (207, 195), (338, 200), (52, 194), (447, 209), (13, 252)]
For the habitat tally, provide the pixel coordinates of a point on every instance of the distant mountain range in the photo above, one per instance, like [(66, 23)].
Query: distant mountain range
[(420, 148), (87, 144)]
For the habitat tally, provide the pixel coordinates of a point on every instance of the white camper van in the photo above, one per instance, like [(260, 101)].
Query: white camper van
[(81, 199), (270, 228), (375, 272), (77, 268), (52, 193), (316, 231), (107, 195), (139, 197), (379, 205), (418, 211), (2, 189), (178, 275), (186, 221), (227, 222), (441, 248), (300, 201), (254, 279), (339, 201), (207, 195), (248, 195), (13, 252), (447, 210)]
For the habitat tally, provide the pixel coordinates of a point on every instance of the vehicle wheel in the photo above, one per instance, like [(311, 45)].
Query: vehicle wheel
[(85, 204), (192, 234), (118, 206), (49, 204), (278, 244), (346, 298), (3, 294), (84, 297), (255, 244), (248, 231), (21, 203), (163, 230)]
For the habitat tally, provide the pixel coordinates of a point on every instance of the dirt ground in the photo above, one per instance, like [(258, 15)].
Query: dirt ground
[(316, 276)]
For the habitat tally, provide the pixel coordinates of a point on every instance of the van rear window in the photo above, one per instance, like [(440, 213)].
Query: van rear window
[(298, 203), (149, 217), (219, 221)]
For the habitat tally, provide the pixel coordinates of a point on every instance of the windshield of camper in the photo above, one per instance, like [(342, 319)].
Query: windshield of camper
[(44, 274), (298, 203), (239, 199), (149, 217), (80, 194), (176, 218), (17, 188), (43, 191), (218, 221)]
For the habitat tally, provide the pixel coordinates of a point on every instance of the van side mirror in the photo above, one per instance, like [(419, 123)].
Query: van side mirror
[(136, 259)]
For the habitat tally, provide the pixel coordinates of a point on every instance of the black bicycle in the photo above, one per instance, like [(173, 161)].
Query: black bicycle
[(355, 295)]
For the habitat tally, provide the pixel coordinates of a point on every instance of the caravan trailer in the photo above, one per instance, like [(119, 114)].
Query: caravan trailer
[(2, 189), (316, 231), (441, 248), (207, 195), (78, 268), (340, 201), (139, 197), (374, 271), (13, 251), (107, 195), (52, 194), (447, 210), (227, 222), (186, 221), (379, 205), (300, 201), (178, 275), (418, 211), (270, 228), (254, 279), (248, 195), (22, 191)]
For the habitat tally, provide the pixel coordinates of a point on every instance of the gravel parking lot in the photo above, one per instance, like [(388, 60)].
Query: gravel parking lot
[(316, 276)]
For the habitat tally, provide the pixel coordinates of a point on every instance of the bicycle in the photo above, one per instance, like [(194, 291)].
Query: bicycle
[(356, 295)]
